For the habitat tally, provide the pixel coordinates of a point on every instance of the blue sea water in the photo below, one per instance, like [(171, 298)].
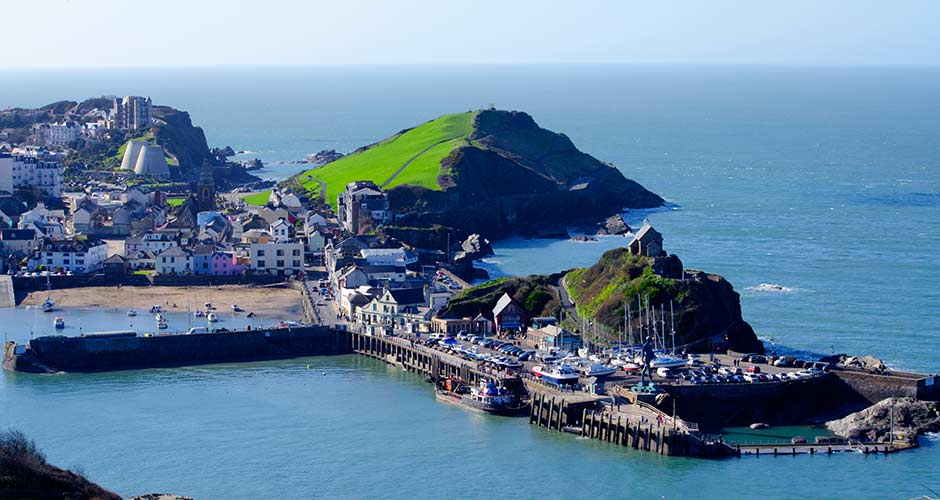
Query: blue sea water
[(825, 181)]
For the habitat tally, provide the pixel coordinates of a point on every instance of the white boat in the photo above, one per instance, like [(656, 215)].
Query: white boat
[(665, 361), (161, 324), (59, 322), (198, 313), (48, 304), (209, 306), (155, 309), (235, 308), (211, 317), (556, 374), (132, 312), (597, 370)]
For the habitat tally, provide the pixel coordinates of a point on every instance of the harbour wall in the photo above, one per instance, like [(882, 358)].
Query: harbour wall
[(94, 353), (22, 285)]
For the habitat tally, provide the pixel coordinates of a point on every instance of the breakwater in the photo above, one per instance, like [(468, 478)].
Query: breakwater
[(107, 352)]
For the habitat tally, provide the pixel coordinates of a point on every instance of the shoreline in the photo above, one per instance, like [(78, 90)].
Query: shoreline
[(279, 302)]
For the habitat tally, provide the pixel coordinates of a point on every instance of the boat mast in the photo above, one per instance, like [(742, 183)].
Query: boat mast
[(672, 326)]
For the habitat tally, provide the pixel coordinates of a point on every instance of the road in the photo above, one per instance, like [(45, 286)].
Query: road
[(570, 309)]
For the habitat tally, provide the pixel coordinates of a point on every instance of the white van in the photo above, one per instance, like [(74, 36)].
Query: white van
[(198, 329)]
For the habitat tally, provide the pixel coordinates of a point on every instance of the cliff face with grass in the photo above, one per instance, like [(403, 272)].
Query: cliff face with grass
[(705, 305), (512, 177), (494, 173)]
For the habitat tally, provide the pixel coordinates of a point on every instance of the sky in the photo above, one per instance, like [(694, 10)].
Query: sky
[(133, 33)]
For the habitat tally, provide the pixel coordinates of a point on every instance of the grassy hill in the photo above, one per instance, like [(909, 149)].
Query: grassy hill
[(411, 157)]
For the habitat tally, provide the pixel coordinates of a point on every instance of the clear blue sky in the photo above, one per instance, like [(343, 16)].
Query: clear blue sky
[(58, 33)]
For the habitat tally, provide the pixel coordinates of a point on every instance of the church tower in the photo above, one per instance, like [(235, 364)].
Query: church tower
[(205, 189)]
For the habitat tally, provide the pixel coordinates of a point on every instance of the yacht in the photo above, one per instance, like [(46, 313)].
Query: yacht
[(597, 370), (48, 304), (556, 374), (156, 309), (666, 361), (211, 317), (198, 313), (235, 308), (161, 321), (132, 312), (59, 322)]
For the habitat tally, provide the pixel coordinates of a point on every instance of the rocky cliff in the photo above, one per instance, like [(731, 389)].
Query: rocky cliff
[(909, 416), (513, 177), (705, 306)]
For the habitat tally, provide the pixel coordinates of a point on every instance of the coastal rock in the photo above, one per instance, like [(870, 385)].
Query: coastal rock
[(613, 225), (869, 363), (911, 417), (582, 238), (475, 247), (323, 157)]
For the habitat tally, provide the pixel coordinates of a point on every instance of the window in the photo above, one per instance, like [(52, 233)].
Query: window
[(280, 263), (296, 263), (280, 252), (260, 263), (260, 253), (296, 253)]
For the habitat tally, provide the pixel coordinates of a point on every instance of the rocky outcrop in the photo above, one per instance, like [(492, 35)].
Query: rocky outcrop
[(911, 417), (516, 178), (868, 363), (474, 247), (174, 131), (707, 309)]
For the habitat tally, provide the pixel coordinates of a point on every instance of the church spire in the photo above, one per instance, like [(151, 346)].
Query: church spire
[(205, 188)]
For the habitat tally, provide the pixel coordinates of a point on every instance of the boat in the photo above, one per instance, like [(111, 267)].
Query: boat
[(156, 309), (665, 361), (59, 322), (198, 313), (235, 308), (211, 317), (556, 374), (631, 367), (48, 304), (251, 315), (597, 370), (209, 306), (132, 312), (487, 397), (161, 324)]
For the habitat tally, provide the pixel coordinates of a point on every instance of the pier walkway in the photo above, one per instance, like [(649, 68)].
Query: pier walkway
[(819, 449)]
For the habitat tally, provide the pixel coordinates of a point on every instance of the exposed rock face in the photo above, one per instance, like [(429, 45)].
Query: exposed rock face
[(474, 247), (613, 225), (175, 132), (873, 424), (521, 180)]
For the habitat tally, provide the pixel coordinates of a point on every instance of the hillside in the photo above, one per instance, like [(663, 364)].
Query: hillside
[(705, 305), (535, 293), (495, 173), (419, 150)]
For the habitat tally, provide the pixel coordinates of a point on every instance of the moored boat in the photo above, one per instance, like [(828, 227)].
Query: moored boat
[(597, 370), (59, 322), (48, 304), (487, 397), (211, 317), (556, 374)]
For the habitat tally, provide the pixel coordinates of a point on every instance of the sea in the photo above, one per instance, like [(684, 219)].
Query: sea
[(814, 190)]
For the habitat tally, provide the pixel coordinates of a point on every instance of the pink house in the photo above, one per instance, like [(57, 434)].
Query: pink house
[(224, 264)]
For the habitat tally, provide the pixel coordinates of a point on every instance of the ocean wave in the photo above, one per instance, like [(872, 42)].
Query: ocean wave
[(771, 288), (933, 436)]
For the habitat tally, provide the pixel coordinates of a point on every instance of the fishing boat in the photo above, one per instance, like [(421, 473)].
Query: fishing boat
[(211, 317), (132, 312), (156, 309), (198, 313), (59, 322), (487, 397), (161, 321), (48, 304), (556, 374)]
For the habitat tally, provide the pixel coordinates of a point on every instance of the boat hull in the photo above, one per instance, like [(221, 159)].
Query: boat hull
[(477, 406)]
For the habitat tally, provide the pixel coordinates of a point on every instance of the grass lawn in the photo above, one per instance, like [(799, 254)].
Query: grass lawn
[(381, 161), (143, 271), (175, 201), (258, 199)]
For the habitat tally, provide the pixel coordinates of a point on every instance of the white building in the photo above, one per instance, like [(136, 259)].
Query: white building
[(157, 242), (174, 260), (28, 172), (388, 256), (57, 134), (132, 112), (280, 230), (78, 256), (281, 259)]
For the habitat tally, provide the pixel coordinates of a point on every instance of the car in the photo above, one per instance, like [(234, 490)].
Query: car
[(757, 358), (784, 361), (197, 329), (752, 369)]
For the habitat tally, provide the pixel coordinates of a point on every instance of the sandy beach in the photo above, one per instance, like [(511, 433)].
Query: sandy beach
[(282, 303)]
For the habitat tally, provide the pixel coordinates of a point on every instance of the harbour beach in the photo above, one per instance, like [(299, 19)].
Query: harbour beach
[(270, 302)]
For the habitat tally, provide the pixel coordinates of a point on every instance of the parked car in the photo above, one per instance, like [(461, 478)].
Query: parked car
[(752, 369)]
